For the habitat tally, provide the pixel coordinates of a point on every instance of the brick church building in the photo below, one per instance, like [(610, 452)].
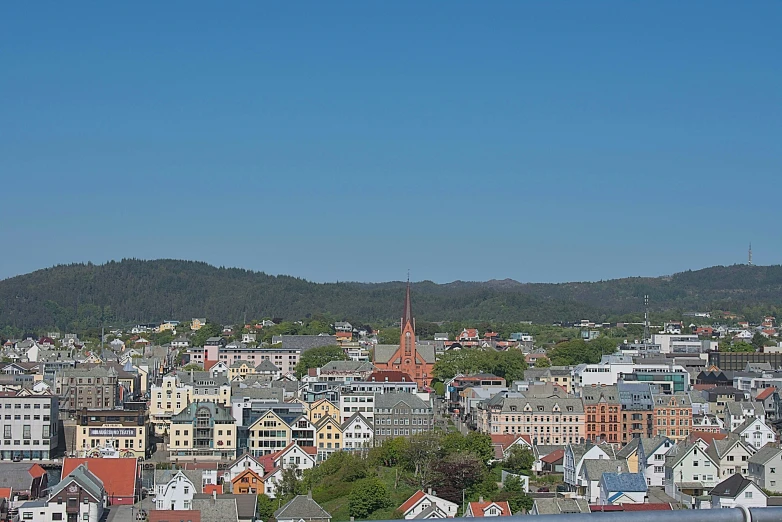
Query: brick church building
[(416, 361)]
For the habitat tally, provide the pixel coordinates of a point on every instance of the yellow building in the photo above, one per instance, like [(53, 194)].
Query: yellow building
[(321, 409), (268, 434), (240, 369), (167, 326), (328, 434), (167, 400), (197, 324), (203, 430), (100, 431)]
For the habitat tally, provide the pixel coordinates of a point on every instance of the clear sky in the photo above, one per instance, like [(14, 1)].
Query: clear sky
[(540, 141)]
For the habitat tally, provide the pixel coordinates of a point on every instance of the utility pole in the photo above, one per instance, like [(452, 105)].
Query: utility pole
[(749, 261), (646, 319)]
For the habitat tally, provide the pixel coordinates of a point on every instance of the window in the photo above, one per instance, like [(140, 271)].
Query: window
[(748, 494), (773, 470)]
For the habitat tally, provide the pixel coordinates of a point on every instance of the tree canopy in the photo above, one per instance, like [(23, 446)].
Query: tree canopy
[(509, 364), (318, 357)]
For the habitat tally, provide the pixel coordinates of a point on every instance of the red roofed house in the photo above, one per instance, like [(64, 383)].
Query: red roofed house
[(553, 462), (119, 476), (765, 394), (469, 334), (502, 444), (487, 509), (248, 482), (427, 505)]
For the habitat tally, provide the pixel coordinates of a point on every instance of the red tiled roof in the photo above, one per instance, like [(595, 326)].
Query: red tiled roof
[(478, 507), (208, 364), (707, 437), (168, 515), (213, 488), (5, 492), (310, 450), (344, 334), (553, 456), (37, 471), (507, 439), (118, 475), (390, 376), (765, 394), (412, 501)]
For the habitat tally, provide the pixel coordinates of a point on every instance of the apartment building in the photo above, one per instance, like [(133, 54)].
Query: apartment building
[(285, 359), (401, 414), (30, 425), (545, 420), (601, 409), (672, 416), (637, 410), (127, 432), (203, 430), (177, 391), (95, 387)]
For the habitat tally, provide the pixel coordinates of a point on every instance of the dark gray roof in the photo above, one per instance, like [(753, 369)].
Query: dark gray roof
[(302, 506), (593, 469), (16, 475), (348, 366), (188, 414), (390, 400), (556, 506), (266, 366), (765, 454), (304, 342), (216, 510), (731, 486)]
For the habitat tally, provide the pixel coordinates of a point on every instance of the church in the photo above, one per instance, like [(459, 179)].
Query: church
[(418, 362)]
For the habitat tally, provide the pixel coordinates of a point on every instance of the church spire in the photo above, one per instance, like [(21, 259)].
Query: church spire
[(407, 313)]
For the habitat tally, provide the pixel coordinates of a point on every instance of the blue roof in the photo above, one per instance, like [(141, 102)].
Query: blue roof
[(623, 482)]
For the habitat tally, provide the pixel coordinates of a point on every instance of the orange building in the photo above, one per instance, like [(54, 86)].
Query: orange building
[(417, 361), (601, 408)]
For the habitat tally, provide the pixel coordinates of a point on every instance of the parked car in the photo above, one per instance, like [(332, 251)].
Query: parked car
[(543, 490)]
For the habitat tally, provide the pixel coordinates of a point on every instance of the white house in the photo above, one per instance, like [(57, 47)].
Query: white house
[(690, 470), (592, 472), (575, 455), (765, 468), (357, 433), (647, 455), (731, 455), (487, 509), (176, 493), (246, 461), (737, 491), (755, 433), (427, 505), (294, 456), (737, 413)]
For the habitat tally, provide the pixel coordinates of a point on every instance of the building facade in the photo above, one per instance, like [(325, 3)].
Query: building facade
[(30, 425), (127, 432), (203, 430)]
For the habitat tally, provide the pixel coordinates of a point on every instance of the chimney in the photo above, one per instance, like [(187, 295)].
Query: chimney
[(480, 499), (214, 496), (619, 469), (429, 491)]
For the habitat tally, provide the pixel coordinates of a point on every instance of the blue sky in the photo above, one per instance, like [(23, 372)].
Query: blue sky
[(540, 141)]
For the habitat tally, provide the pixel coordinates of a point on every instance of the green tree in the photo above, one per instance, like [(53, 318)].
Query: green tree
[(368, 495), (738, 346), (205, 332), (457, 473), (513, 493), (266, 508), (542, 363), (480, 445), (421, 451), (318, 357), (519, 460), (390, 452), (388, 336), (290, 484)]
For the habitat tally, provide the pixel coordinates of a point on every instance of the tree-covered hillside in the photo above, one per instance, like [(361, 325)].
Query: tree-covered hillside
[(79, 295)]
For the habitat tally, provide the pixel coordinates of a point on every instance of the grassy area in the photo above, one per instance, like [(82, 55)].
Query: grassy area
[(336, 501)]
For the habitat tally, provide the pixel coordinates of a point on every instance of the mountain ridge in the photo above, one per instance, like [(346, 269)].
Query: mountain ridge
[(132, 290)]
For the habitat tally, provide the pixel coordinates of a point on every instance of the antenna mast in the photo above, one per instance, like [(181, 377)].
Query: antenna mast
[(749, 261), (646, 318)]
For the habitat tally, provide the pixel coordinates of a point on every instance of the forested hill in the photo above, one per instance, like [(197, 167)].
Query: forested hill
[(144, 291)]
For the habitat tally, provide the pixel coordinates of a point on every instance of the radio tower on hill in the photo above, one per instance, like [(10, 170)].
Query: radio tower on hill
[(749, 261)]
